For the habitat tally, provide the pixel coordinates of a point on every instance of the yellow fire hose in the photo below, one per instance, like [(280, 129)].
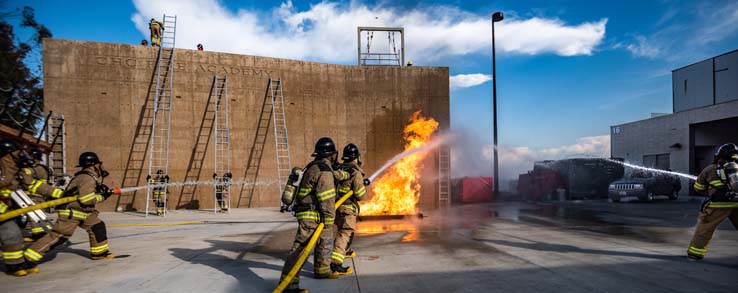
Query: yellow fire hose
[(306, 252), (43, 205)]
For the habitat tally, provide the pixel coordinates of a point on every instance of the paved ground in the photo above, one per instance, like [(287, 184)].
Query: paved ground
[(591, 246)]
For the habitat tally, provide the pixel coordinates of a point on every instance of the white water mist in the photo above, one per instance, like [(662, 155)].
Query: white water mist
[(191, 183)]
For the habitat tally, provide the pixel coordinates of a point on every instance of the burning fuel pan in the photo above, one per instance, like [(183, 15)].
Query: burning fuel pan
[(390, 217)]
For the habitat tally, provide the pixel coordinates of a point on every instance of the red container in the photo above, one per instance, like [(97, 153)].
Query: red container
[(476, 189)]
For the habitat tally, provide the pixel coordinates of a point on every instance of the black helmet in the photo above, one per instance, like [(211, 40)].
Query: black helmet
[(87, 159), (8, 146), (324, 148), (728, 152), (36, 154), (350, 152), (159, 172)]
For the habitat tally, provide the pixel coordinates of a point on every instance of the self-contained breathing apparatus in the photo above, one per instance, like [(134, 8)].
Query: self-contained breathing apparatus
[(728, 174), (290, 189)]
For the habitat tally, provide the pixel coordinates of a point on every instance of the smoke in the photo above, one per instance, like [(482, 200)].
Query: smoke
[(471, 157)]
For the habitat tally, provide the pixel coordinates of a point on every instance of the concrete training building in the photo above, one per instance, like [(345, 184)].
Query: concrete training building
[(101, 89), (705, 116)]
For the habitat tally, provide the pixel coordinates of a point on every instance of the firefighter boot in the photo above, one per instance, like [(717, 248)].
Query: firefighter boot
[(351, 253), (104, 255), (15, 270), (330, 275), (296, 290), (31, 267), (340, 269)]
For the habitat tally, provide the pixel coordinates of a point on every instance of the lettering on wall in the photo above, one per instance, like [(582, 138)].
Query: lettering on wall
[(184, 67)]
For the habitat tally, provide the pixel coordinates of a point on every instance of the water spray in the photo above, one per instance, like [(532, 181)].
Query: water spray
[(434, 143), (191, 183), (691, 177)]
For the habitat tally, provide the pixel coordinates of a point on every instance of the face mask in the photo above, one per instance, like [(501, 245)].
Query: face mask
[(103, 173), (24, 160)]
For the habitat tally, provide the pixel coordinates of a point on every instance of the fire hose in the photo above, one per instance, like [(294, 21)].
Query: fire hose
[(43, 205), (306, 252)]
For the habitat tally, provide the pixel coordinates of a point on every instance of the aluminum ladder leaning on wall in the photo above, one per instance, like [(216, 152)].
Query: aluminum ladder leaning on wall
[(222, 154), (444, 176), (57, 156), (161, 127), (280, 133)]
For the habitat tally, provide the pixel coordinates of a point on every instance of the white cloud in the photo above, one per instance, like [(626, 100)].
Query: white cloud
[(468, 80), (643, 48), (327, 30), (516, 160)]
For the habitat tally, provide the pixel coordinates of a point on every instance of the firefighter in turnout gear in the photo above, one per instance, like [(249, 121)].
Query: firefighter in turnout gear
[(17, 174), (11, 237), (160, 191), (88, 187), (349, 210), (221, 187), (315, 203), (719, 182), (156, 27), (40, 173)]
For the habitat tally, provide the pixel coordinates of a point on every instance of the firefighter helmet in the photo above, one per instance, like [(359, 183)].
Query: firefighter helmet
[(324, 148), (36, 154), (350, 152), (8, 146), (159, 172), (727, 152), (87, 159)]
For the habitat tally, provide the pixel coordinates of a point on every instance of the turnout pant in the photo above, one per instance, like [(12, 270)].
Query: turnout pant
[(11, 241), (709, 220), (345, 226), (63, 229), (322, 255)]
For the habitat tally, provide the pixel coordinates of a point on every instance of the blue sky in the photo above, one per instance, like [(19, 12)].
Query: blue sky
[(567, 70)]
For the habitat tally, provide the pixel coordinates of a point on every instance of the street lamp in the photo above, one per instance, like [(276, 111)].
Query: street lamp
[(496, 17)]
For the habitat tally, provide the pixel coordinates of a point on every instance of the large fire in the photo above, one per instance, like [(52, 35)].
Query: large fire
[(397, 192)]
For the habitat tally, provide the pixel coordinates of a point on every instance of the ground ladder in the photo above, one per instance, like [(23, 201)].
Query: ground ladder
[(222, 154), (444, 176), (55, 137), (280, 133), (160, 128)]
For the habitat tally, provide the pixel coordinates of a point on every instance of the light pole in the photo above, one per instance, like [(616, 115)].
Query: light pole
[(496, 17)]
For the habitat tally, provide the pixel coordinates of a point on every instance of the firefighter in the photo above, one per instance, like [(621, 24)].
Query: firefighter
[(719, 182), (159, 190), (221, 186), (349, 210), (315, 203), (156, 27), (40, 173), (88, 187), (11, 237)]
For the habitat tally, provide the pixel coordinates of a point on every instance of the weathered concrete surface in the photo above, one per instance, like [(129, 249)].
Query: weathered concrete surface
[(101, 89), (507, 247)]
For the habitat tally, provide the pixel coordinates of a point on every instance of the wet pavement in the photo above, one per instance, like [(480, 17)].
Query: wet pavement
[(512, 246)]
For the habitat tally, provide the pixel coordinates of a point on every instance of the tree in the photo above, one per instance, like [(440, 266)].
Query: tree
[(20, 87)]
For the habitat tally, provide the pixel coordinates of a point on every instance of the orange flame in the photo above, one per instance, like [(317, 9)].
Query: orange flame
[(397, 192)]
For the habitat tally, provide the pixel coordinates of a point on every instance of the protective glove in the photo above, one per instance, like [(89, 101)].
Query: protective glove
[(367, 182), (104, 190)]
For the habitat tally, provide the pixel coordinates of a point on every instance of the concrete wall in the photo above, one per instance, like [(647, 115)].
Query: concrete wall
[(101, 89), (632, 141)]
